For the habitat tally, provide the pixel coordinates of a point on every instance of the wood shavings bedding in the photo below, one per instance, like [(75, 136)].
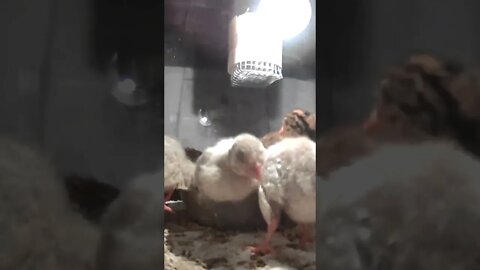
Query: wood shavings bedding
[(190, 246)]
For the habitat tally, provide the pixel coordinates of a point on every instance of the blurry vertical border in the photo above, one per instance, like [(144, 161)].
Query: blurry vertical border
[(340, 32), (126, 32), (323, 25)]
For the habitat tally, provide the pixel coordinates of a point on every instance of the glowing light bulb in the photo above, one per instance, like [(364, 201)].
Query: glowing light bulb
[(290, 17)]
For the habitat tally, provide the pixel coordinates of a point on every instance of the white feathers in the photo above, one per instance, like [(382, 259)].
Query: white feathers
[(215, 177), (398, 164), (289, 179), (420, 198), (178, 168), (131, 236), (221, 148), (38, 230)]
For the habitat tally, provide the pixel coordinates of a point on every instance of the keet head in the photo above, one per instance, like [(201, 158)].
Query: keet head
[(246, 156), (416, 95), (298, 122)]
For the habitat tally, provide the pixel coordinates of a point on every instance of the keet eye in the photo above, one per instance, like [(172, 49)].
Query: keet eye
[(241, 155)]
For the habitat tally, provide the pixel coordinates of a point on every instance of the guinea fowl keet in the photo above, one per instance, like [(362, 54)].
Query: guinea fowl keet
[(428, 96), (231, 169), (403, 205), (298, 122), (178, 168), (289, 186), (38, 228)]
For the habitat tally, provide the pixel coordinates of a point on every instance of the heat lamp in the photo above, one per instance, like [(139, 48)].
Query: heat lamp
[(256, 40)]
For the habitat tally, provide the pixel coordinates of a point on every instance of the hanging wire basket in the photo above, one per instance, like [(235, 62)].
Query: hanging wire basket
[(255, 57), (255, 74)]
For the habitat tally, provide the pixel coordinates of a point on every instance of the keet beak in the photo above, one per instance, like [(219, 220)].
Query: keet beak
[(258, 171)]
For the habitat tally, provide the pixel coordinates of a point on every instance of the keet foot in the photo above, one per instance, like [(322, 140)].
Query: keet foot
[(262, 249), (305, 237), (167, 209)]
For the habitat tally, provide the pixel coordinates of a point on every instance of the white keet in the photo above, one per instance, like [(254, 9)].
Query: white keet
[(289, 185), (230, 170), (178, 169)]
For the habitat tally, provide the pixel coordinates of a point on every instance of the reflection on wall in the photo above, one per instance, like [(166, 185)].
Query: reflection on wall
[(232, 110)]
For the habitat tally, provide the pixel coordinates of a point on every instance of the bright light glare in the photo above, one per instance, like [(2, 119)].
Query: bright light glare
[(290, 17)]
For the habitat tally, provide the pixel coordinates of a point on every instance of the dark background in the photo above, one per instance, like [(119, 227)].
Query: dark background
[(56, 71)]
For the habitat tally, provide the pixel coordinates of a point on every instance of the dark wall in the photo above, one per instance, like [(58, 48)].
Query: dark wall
[(24, 52), (358, 40)]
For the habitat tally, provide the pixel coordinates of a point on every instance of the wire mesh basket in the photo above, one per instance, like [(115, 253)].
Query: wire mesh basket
[(255, 74), (255, 57)]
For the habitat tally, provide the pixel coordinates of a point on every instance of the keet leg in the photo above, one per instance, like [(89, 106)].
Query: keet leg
[(167, 198), (169, 195), (372, 122), (167, 209), (265, 247), (305, 236)]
